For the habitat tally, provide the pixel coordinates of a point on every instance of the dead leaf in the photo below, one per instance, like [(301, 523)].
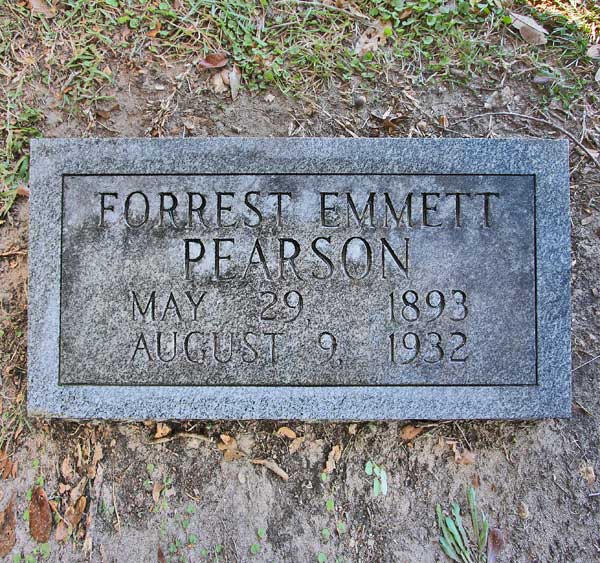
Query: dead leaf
[(296, 444), (495, 544), (161, 556), (271, 465), (154, 32), (66, 469), (40, 516), (444, 121), (214, 60), (235, 76), (286, 432), (98, 455), (8, 537), (593, 51), (410, 432), (41, 8), (229, 447), (156, 490), (529, 29), (22, 191), (162, 430), (7, 467), (587, 472), (63, 531), (372, 38), (77, 491), (334, 456), (74, 513), (462, 455), (217, 83), (597, 76), (352, 429)]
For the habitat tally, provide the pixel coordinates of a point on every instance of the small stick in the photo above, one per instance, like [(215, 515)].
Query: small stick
[(19, 251), (586, 363), (547, 122), (116, 511)]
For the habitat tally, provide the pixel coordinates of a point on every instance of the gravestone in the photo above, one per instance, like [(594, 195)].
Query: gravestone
[(299, 278)]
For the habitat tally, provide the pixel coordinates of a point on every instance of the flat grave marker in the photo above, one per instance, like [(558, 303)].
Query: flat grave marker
[(299, 278)]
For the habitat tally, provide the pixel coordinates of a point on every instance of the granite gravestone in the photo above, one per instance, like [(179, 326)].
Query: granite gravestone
[(299, 278)]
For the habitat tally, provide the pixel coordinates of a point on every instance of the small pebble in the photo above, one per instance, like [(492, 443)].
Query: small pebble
[(359, 101)]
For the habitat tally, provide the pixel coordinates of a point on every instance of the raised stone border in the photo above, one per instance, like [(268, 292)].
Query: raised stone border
[(546, 160)]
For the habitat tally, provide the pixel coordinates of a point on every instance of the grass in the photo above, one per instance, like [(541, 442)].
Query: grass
[(457, 543), (299, 47)]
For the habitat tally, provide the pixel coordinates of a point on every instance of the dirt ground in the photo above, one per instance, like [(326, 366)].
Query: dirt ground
[(180, 498)]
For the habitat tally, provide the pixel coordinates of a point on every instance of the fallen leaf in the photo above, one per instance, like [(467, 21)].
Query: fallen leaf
[(597, 76), (286, 432), (7, 468), (77, 491), (40, 516), (66, 469), (410, 432), (214, 60), (529, 29), (271, 465), (22, 191), (235, 77), (229, 447), (495, 544), (217, 83), (593, 51), (74, 513), (154, 32), (587, 472), (41, 8), (333, 458), (162, 430), (63, 531), (8, 538), (102, 114), (296, 444), (372, 38), (156, 490), (462, 455), (444, 122), (352, 429), (161, 556), (98, 455)]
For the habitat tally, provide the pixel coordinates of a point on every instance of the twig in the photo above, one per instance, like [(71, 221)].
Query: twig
[(19, 252), (190, 435), (547, 122), (586, 363), (116, 510), (333, 8)]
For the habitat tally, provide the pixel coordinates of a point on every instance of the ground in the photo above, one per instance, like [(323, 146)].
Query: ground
[(189, 491)]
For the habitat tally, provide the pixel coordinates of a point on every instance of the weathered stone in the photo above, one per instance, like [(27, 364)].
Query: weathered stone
[(304, 278)]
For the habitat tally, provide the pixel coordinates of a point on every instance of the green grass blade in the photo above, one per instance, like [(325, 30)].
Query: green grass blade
[(472, 501), (483, 536), (449, 550), (459, 523)]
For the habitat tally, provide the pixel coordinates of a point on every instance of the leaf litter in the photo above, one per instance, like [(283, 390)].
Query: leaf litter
[(40, 516)]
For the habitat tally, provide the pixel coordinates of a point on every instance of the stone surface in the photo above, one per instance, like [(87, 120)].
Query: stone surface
[(299, 278)]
